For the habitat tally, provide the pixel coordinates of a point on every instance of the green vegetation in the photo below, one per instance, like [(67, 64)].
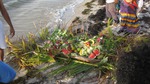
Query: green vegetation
[(71, 51), (28, 49)]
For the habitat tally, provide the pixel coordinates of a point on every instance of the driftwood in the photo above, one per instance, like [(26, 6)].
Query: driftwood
[(85, 59), (80, 58)]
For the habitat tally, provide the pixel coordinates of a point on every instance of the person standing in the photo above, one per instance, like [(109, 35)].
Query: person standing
[(7, 73), (111, 11), (2, 36), (129, 20)]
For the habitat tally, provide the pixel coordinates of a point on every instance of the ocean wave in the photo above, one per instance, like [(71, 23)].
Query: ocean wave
[(15, 3), (61, 14)]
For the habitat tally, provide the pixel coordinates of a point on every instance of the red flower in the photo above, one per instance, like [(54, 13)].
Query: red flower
[(66, 52), (87, 44), (92, 56), (96, 52)]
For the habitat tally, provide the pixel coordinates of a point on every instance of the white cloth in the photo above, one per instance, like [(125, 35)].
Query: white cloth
[(110, 1), (140, 3), (2, 36)]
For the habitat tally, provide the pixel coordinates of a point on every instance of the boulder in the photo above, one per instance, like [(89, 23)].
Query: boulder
[(101, 2), (94, 29), (99, 16)]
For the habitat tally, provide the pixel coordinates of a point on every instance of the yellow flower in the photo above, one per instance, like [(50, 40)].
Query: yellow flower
[(81, 52)]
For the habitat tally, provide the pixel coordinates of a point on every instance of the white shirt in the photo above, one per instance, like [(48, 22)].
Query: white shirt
[(110, 1), (140, 3), (2, 36)]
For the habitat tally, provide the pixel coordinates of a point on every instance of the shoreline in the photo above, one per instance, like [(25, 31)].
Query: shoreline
[(81, 7), (78, 12)]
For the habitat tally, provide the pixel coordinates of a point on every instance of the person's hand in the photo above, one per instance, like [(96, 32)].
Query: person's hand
[(12, 32)]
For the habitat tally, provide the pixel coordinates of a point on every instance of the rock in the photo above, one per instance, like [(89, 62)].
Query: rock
[(101, 2), (94, 29), (33, 80), (22, 73), (149, 9), (99, 16)]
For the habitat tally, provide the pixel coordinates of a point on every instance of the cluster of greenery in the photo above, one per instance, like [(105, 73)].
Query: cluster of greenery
[(71, 51)]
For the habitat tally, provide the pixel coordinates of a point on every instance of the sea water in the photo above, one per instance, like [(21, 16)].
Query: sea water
[(32, 15)]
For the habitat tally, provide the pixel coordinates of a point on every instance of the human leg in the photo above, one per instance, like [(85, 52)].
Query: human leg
[(1, 54), (112, 10), (128, 26), (2, 42), (108, 15)]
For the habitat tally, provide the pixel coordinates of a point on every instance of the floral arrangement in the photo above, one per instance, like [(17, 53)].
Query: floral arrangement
[(69, 45)]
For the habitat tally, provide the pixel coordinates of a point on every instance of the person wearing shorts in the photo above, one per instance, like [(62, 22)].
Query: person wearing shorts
[(7, 73), (2, 36)]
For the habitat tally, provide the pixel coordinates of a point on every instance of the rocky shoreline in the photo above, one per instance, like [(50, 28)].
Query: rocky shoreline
[(91, 23)]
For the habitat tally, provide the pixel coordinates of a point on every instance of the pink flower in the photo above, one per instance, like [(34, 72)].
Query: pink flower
[(99, 39)]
